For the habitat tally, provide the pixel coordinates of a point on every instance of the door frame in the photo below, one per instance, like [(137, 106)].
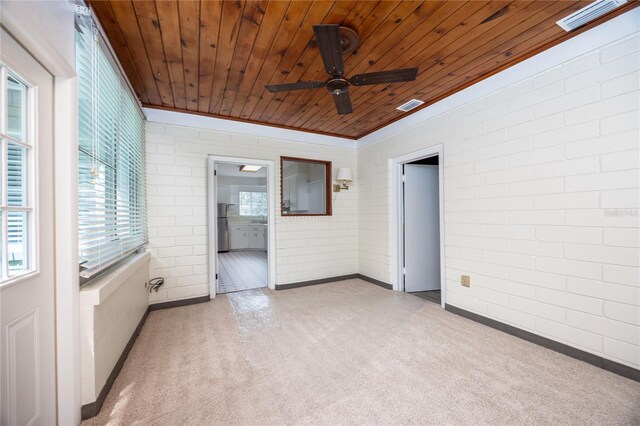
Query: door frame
[(212, 200), (397, 213)]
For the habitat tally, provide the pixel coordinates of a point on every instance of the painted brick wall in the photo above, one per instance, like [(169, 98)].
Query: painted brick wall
[(541, 202), (306, 248)]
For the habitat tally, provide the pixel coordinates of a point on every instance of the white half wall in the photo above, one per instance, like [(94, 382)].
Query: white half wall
[(111, 307), (307, 248), (541, 192)]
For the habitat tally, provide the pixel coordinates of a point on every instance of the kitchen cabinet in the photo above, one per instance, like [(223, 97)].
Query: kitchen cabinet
[(256, 237), (266, 238), (295, 189), (247, 237), (238, 237)]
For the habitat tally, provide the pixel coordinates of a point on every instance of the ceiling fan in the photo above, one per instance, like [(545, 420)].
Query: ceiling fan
[(333, 40)]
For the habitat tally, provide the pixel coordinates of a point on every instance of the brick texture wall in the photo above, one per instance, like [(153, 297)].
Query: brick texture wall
[(541, 189), (306, 248)]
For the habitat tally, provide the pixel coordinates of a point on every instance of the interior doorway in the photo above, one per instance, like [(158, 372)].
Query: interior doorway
[(422, 229), (419, 224), (241, 218)]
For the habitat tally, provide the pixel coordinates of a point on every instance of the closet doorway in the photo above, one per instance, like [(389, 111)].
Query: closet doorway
[(419, 225)]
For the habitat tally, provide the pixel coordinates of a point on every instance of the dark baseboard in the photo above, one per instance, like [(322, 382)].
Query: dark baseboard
[(598, 361), (177, 303), (376, 282), (333, 279), (315, 282), (93, 408)]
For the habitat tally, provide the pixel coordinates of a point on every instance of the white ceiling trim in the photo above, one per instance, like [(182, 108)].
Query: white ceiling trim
[(232, 126), (612, 30)]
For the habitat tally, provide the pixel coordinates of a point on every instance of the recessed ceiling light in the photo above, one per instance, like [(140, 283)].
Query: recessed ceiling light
[(408, 106), (249, 168)]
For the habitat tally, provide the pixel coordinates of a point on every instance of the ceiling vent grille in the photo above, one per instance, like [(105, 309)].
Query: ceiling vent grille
[(408, 106), (589, 13)]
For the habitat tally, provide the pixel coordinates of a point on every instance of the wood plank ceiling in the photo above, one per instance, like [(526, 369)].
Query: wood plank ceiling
[(215, 57)]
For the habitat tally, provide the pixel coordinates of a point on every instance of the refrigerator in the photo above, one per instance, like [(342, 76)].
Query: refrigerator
[(223, 228)]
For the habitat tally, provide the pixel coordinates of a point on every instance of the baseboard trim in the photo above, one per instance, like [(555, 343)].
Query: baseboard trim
[(598, 361), (93, 408), (332, 279), (376, 282), (178, 303), (315, 282)]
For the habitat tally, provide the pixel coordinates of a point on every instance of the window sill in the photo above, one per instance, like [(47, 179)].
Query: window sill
[(99, 290)]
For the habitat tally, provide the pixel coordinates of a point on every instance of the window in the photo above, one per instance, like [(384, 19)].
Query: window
[(17, 243), (253, 203), (111, 183)]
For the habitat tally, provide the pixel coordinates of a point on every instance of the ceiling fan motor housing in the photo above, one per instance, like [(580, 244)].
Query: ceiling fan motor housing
[(337, 85)]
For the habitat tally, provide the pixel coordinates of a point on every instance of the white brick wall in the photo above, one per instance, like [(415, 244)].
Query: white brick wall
[(541, 202), (306, 248)]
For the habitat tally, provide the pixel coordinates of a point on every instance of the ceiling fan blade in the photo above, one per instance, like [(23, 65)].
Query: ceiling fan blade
[(394, 76), (295, 86), (328, 40), (343, 102)]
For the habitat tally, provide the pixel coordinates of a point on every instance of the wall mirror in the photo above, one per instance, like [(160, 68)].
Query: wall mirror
[(305, 187)]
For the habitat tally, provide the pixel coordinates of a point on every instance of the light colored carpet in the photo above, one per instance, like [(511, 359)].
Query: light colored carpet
[(350, 353), (242, 270)]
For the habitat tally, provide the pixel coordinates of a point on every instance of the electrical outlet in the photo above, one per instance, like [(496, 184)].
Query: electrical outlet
[(465, 280)]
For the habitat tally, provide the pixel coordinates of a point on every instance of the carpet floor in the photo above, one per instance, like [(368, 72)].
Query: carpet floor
[(350, 353)]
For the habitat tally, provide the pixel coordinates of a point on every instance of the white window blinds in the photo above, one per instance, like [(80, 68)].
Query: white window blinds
[(111, 181)]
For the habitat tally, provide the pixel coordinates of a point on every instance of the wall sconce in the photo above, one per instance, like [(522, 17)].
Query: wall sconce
[(344, 176)]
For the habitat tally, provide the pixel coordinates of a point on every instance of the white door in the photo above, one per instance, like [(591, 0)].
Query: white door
[(27, 334), (421, 228)]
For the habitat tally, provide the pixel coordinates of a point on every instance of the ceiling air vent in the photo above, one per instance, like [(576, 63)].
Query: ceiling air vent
[(408, 106), (589, 13)]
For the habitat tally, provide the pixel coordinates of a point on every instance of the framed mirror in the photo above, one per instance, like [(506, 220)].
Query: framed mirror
[(305, 187)]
